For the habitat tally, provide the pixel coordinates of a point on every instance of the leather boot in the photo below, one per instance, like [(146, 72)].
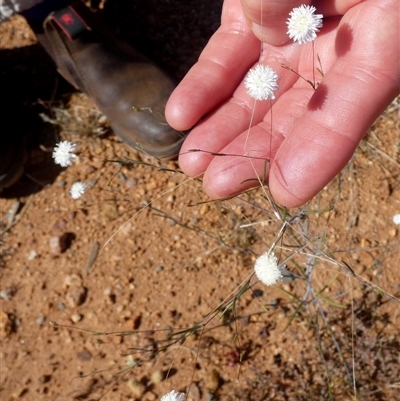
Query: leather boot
[(129, 89)]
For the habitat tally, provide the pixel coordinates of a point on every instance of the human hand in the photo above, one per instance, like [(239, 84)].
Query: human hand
[(314, 133)]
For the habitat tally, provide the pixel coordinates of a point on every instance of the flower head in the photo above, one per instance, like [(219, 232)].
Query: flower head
[(173, 396), (303, 24), (62, 153), (266, 268), (78, 189), (261, 82), (396, 219)]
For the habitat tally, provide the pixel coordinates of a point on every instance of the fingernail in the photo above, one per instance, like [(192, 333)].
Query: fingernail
[(258, 30)]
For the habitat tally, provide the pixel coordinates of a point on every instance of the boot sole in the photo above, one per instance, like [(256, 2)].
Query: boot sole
[(170, 152)]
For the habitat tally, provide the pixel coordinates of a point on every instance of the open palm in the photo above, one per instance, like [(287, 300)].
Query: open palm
[(308, 136)]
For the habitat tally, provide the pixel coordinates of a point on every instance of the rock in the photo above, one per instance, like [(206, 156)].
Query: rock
[(32, 254), (75, 296), (84, 355), (213, 381), (131, 183), (149, 396), (72, 280), (194, 392), (59, 225), (60, 243), (76, 317), (40, 320), (109, 211), (5, 325), (204, 209), (137, 388), (157, 376), (171, 222)]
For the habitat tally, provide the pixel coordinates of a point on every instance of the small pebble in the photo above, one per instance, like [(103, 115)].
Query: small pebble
[(204, 209), (40, 320), (150, 396), (32, 255), (61, 183), (137, 388), (75, 296), (194, 393), (84, 355), (59, 225), (5, 325), (76, 317), (58, 243), (210, 396), (157, 376), (131, 183), (213, 381), (72, 280), (109, 211)]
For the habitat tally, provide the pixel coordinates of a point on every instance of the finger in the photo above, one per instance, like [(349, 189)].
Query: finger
[(221, 66), (267, 18)]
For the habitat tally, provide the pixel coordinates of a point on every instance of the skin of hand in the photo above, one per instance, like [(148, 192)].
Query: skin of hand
[(308, 136)]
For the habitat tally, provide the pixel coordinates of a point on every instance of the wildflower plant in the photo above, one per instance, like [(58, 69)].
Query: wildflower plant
[(63, 153), (261, 82), (266, 268), (77, 189), (303, 24)]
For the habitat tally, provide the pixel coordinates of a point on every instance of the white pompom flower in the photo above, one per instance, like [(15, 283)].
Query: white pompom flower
[(173, 396), (396, 219), (303, 24), (77, 189), (261, 82), (63, 153), (266, 268)]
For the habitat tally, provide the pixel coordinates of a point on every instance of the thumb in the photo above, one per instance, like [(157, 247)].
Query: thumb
[(267, 18)]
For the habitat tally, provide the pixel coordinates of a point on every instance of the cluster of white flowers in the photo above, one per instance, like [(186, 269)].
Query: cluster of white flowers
[(303, 24), (396, 219), (77, 190), (64, 156), (173, 396), (63, 153), (267, 270), (261, 82)]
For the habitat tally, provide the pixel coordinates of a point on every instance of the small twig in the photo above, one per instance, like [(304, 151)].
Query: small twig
[(383, 154), (14, 218)]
